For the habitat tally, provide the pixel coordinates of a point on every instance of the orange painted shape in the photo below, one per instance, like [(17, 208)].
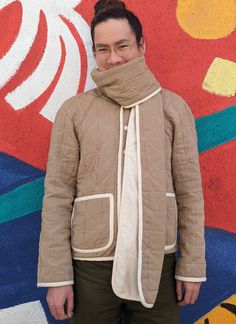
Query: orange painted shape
[(207, 19), (221, 314)]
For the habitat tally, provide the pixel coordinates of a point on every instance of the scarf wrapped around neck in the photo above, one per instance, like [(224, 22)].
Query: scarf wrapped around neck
[(141, 229)]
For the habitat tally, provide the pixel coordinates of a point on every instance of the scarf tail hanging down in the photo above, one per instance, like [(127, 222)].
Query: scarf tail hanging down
[(127, 265)]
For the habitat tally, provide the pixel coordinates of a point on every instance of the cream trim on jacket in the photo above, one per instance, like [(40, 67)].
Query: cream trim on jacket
[(126, 274)]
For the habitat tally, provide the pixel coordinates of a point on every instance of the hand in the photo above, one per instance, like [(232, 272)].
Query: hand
[(56, 298), (187, 292)]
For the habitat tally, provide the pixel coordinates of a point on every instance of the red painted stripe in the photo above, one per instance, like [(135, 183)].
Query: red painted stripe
[(10, 18), (27, 138), (32, 59), (82, 51), (86, 9)]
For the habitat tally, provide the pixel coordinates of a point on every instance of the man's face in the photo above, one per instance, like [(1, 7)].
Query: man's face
[(115, 43)]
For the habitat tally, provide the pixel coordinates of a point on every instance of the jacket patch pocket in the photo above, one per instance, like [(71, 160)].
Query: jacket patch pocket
[(171, 221), (92, 223)]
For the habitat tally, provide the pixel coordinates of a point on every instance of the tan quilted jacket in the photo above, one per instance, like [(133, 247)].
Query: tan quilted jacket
[(122, 177)]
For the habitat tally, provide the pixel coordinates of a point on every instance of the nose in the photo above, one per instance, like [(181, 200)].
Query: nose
[(114, 58)]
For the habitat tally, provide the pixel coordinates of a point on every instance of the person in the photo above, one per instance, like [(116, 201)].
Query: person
[(123, 191)]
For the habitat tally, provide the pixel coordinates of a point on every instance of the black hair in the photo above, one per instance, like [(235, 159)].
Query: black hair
[(114, 9)]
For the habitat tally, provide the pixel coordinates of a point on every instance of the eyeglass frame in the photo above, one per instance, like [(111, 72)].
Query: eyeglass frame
[(118, 44)]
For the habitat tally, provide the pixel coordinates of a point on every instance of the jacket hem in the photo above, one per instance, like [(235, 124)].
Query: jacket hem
[(170, 247), (94, 258)]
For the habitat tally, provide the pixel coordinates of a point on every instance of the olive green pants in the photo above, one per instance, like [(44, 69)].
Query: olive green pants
[(96, 303)]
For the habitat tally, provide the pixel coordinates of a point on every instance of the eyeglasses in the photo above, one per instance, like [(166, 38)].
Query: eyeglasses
[(122, 50)]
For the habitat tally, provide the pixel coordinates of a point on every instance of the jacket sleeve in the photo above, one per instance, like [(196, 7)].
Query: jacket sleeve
[(190, 264), (55, 260)]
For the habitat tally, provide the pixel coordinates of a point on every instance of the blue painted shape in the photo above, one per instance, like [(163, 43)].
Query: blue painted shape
[(221, 274), (14, 172), (19, 255), (21, 201), (19, 258), (216, 129)]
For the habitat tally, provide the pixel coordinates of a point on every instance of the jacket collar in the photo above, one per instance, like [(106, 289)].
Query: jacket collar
[(128, 83)]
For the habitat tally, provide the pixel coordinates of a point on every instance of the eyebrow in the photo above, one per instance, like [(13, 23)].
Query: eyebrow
[(116, 43)]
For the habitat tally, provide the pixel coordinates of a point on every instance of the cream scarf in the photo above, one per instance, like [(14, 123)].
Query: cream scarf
[(129, 92)]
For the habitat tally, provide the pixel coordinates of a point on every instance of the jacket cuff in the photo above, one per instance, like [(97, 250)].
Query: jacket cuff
[(191, 268), (189, 279), (55, 284)]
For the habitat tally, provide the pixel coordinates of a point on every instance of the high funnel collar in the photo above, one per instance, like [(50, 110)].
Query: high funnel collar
[(127, 83)]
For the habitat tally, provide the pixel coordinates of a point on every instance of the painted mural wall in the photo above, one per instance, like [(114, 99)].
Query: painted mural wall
[(46, 57)]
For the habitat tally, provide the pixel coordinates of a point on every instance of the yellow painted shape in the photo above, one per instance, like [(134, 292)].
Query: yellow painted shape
[(220, 315), (221, 78), (207, 19)]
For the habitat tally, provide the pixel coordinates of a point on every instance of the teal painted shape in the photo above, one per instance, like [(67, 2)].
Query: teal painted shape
[(216, 129), (22, 201), (212, 130)]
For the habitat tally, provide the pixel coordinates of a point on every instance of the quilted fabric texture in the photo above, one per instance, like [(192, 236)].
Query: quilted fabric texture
[(83, 165)]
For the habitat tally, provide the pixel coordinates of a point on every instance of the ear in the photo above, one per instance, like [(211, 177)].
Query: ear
[(142, 46)]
